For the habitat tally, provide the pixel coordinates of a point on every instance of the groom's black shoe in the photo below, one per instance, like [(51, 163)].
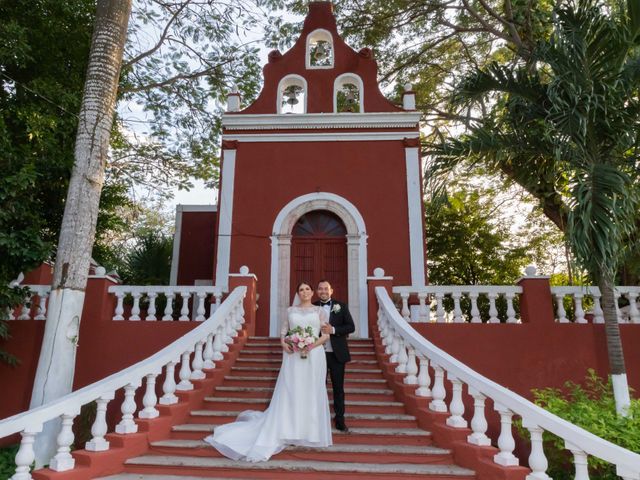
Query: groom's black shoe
[(340, 425)]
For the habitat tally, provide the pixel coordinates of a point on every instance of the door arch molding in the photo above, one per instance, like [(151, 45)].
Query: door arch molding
[(356, 256)]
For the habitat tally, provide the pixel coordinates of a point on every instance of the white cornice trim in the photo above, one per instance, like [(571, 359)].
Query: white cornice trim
[(321, 137), (306, 121), (197, 208)]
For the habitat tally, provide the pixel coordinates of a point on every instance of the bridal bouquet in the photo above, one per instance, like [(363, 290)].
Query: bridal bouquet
[(301, 339)]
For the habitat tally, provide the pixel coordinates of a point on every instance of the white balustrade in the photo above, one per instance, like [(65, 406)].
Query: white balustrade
[(36, 301), (141, 297), (578, 295), (455, 295), (400, 336), (66, 408)]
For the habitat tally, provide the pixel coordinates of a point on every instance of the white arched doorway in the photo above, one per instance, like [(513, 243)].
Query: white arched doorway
[(356, 256)]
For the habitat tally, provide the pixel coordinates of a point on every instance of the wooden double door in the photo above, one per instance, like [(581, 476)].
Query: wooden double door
[(319, 251)]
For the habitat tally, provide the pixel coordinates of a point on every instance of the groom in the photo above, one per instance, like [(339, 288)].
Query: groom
[(339, 327)]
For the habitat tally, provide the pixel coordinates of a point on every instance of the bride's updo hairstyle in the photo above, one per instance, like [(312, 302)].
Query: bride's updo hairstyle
[(303, 283)]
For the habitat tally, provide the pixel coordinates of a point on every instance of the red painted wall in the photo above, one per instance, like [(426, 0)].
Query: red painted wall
[(371, 175), (197, 246)]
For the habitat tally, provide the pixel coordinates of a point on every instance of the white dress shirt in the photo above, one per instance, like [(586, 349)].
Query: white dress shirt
[(327, 308)]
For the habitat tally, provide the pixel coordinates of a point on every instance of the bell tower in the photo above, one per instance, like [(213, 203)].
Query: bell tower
[(320, 177)]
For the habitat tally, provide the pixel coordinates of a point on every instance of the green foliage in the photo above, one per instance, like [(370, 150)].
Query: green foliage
[(149, 262), (467, 246), (8, 461), (592, 407)]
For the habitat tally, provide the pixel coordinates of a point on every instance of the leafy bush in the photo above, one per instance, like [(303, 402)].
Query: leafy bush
[(7, 461), (592, 407)]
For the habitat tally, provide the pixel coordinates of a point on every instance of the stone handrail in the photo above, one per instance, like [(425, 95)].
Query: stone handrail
[(151, 292), (628, 314), (404, 345), (457, 293), (207, 342)]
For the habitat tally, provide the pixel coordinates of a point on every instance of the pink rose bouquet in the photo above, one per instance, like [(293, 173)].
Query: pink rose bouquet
[(301, 340)]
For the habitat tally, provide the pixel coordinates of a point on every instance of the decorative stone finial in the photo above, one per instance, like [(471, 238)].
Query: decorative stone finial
[(530, 271), (244, 270), (408, 98), (100, 271), (378, 272), (233, 100)]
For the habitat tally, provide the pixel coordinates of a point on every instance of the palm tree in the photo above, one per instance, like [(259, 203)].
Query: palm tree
[(566, 128)]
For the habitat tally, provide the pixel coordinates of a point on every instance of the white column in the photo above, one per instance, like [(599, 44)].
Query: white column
[(537, 460), (185, 372), (412, 368), (225, 217), (151, 312), (25, 456), (579, 461), (475, 312), (207, 355), (402, 357), (423, 312), (63, 460), (405, 312), (150, 399), (579, 311), (506, 443), (135, 310), (127, 425), (478, 422), (414, 202), (198, 363), (561, 312), (493, 311), (438, 392), (168, 309), (169, 385), (424, 381), (184, 311), (456, 407), (99, 428)]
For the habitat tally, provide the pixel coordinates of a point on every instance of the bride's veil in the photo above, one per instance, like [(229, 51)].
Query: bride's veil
[(296, 300)]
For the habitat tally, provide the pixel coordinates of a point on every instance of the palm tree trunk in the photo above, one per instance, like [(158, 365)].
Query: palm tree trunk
[(614, 345), (56, 365)]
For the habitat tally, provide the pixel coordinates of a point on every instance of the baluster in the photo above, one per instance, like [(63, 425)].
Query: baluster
[(119, 306), (456, 406), (493, 311), (168, 309), (241, 312), (25, 312), (537, 460), (99, 428), (634, 314), (457, 311), (579, 311), (511, 312), (127, 425), (402, 357), (598, 314), (151, 312), (135, 310), (438, 393), (561, 312), (218, 345), (63, 460), (185, 373), (382, 325), (616, 303), (412, 367), (25, 456), (184, 312), (405, 312), (227, 328), (475, 312), (423, 312), (395, 348), (234, 323), (169, 385), (197, 363), (42, 305), (439, 307), (506, 443), (390, 337), (478, 422), (423, 377), (208, 353), (201, 310), (217, 294), (150, 399), (580, 462), (10, 315)]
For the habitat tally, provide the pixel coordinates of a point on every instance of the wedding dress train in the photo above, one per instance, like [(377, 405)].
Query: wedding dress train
[(298, 413)]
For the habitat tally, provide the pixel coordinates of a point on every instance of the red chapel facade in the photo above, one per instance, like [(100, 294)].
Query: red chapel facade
[(320, 179)]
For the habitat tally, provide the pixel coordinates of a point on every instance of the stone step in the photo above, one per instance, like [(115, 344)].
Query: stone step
[(276, 345), (372, 403), (276, 361), (383, 397), (349, 371), (153, 476), (349, 416), (356, 435), (338, 452), (278, 352), (295, 468), (261, 404), (241, 378), (362, 391), (353, 340)]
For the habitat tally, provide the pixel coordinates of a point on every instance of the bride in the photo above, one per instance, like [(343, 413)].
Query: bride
[(298, 413)]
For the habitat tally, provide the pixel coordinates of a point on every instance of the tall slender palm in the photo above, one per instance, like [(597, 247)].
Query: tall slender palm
[(568, 131)]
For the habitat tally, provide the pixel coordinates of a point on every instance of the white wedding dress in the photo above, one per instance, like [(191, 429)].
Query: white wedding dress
[(298, 413)]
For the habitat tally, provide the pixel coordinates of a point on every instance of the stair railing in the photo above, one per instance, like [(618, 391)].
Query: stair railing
[(207, 342), (414, 354)]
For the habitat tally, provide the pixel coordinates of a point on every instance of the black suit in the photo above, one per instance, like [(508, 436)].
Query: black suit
[(340, 319)]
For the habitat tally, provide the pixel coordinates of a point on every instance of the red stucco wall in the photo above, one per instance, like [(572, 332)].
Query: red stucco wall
[(197, 246)]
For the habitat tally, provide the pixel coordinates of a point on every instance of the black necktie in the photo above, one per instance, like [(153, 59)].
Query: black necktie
[(322, 304)]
